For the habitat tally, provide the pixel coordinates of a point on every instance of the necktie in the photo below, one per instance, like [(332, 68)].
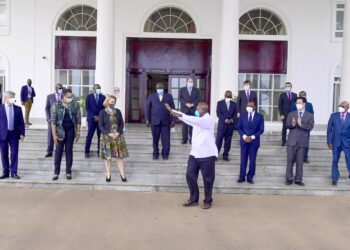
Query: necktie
[(160, 97), (97, 99), (300, 114), (10, 118), (190, 90), (342, 118), (288, 96), (228, 105), (250, 117), (248, 95)]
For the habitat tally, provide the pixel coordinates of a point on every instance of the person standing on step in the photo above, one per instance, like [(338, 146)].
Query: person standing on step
[(113, 144), (299, 123), (189, 98), (226, 111), (160, 120), (12, 130), (27, 98), (50, 100), (285, 102), (250, 128), (93, 105), (245, 96), (203, 154), (338, 138), (309, 108), (65, 123)]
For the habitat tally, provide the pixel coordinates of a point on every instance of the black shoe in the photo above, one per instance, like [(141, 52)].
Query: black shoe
[(289, 183), (29, 123), (87, 155), (166, 158), (300, 183), (225, 158), (306, 161), (334, 183), (190, 141), (240, 180), (49, 154), (98, 153), (4, 176), (155, 157), (283, 144), (69, 176), (55, 177), (190, 203), (123, 179), (250, 181), (15, 176), (109, 179), (184, 142)]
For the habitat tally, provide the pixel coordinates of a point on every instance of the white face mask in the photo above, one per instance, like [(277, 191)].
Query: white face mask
[(98, 91), (59, 91), (160, 91), (300, 106), (190, 84), (69, 99), (249, 109), (341, 110), (12, 100), (228, 99), (288, 89)]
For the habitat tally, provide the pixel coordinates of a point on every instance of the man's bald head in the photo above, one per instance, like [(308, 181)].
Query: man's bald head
[(345, 105), (202, 108), (228, 94)]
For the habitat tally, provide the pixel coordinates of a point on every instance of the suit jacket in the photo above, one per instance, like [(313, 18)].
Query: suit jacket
[(284, 104), (104, 122), (299, 135), (93, 108), (50, 101), (185, 97), (24, 93), (155, 110), (308, 107), (223, 113), (242, 100), (19, 128), (338, 133), (256, 128)]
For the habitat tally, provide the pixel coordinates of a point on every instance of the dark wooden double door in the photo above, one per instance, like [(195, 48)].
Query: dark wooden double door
[(169, 61)]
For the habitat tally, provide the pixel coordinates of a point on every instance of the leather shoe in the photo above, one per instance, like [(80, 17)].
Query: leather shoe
[(4, 176), (283, 144), (48, 155), (289, 183), (155, 157), (87, 155), (15, 176), (306, 161), (250, 181), (190, 203), (225, 158), (55, 177), (69, 176), (334, 183), (300, 183), (184, 142), (240, 180), (165, 158), (206, 206)]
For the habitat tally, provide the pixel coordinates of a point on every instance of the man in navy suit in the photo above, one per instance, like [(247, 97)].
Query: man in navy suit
[(27, 99), (50, 100), (158, 116), (284, 106), (189, 98), (11, 131), (338, 138), (250, 128), (93, 105), (226, 111), (309, 108), (245, 96)]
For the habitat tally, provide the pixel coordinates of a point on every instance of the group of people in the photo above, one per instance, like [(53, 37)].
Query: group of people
[(64, 122)]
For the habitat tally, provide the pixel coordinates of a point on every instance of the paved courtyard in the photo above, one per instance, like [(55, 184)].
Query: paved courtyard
[(74, 219)]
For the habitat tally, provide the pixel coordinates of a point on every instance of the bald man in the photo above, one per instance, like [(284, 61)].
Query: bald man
[(338, 138)]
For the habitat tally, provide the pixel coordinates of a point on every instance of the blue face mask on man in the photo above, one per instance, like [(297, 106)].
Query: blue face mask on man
[(160, 91), (197, 114)]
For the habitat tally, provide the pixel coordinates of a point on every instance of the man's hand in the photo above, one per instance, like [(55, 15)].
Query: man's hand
[(21, 138), (172, 124), (294, 122), (282, 117), (330, 146), (227, 121), (148, 124), (77, 138), (96, 118), (55, 139), (248, 139), (238, 115), (167, 106), (299, 121)]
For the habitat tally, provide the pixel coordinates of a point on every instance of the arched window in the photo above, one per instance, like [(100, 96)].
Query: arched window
[(78, 18), (170, 20), (261, 22)]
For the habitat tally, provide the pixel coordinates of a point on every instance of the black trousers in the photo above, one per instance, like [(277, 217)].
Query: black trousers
[(67, 145), (186, 132), (284, 130), (207, 167)]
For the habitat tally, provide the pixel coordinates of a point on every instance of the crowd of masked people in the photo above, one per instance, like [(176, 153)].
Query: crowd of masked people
[(63, 115)]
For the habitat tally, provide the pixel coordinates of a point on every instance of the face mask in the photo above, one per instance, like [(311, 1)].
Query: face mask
[(160, 91), (300, 106), (98, 91), (69, 100), (246, 87), (341, 109), (288, 89), (228, 99), (59, 91), (12, 100), (111, 105), (190, 84), (197, 114), (249, 109)]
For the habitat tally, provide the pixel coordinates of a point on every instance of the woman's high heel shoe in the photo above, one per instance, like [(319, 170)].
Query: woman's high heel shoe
[(123, 179), (108, 179)]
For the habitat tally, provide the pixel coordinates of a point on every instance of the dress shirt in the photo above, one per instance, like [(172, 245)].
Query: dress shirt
[(9, 119), (253, 136), (203, 140), (30, 91)]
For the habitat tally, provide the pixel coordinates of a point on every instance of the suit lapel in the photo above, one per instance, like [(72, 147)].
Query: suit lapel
[(3, 110)]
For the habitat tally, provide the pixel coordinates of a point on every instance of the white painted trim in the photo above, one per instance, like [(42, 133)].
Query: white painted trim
[(333, 24), (6, 31), (264, 37), (331, 84), (7, 71)]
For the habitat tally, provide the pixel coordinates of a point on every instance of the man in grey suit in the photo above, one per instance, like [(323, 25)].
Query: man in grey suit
[(189, 98), (50, 100), (299, 123)]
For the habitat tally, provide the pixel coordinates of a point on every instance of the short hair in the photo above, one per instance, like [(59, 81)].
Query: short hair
[(289, 83), (301, 98), (9, 93), (247, 82), (108, 98), (66, 91), (302, 92)]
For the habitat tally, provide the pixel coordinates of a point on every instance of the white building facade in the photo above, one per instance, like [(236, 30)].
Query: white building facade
[(128, 46)]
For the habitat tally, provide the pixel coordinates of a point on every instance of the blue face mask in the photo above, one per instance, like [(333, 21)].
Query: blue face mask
[(197, 114), (160, 91)]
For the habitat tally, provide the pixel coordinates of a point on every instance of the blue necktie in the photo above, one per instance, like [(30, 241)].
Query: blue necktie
[(250, 117), (96, 99), (300, 114), (10, 123)]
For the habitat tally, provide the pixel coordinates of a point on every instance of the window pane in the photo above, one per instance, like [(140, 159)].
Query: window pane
[(174, 82), (254, 81), (241, 80), (88, 77), (183, 82), (265, 81), (339, 34), (74, 77), (340, 20), (276, 96), (175, 92), (266, 112), (276, 114), (61, 76), (75, 90), (265, 98), (201, 83)]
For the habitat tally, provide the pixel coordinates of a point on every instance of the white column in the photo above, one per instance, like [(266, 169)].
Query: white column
[(345, 80), (229, 42), (105, 46)]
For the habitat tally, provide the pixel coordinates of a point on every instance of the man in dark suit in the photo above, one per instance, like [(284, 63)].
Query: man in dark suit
[(189, 98), (93, 105), (284, 105), (158, 116), (226, 111), (309, 108), (11, 131), (245, 96), (50, 100), (250, 128), (27, 98), (299, 123), (338, 138)]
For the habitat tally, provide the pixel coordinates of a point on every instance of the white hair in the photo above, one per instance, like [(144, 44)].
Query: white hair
[(9, 93)]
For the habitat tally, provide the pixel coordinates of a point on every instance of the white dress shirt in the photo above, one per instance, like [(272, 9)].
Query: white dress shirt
[(253, 136), (7, 108), (30, 91), (203, 140)]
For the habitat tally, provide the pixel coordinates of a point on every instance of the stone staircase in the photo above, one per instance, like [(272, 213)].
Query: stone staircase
[(145, 174)]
